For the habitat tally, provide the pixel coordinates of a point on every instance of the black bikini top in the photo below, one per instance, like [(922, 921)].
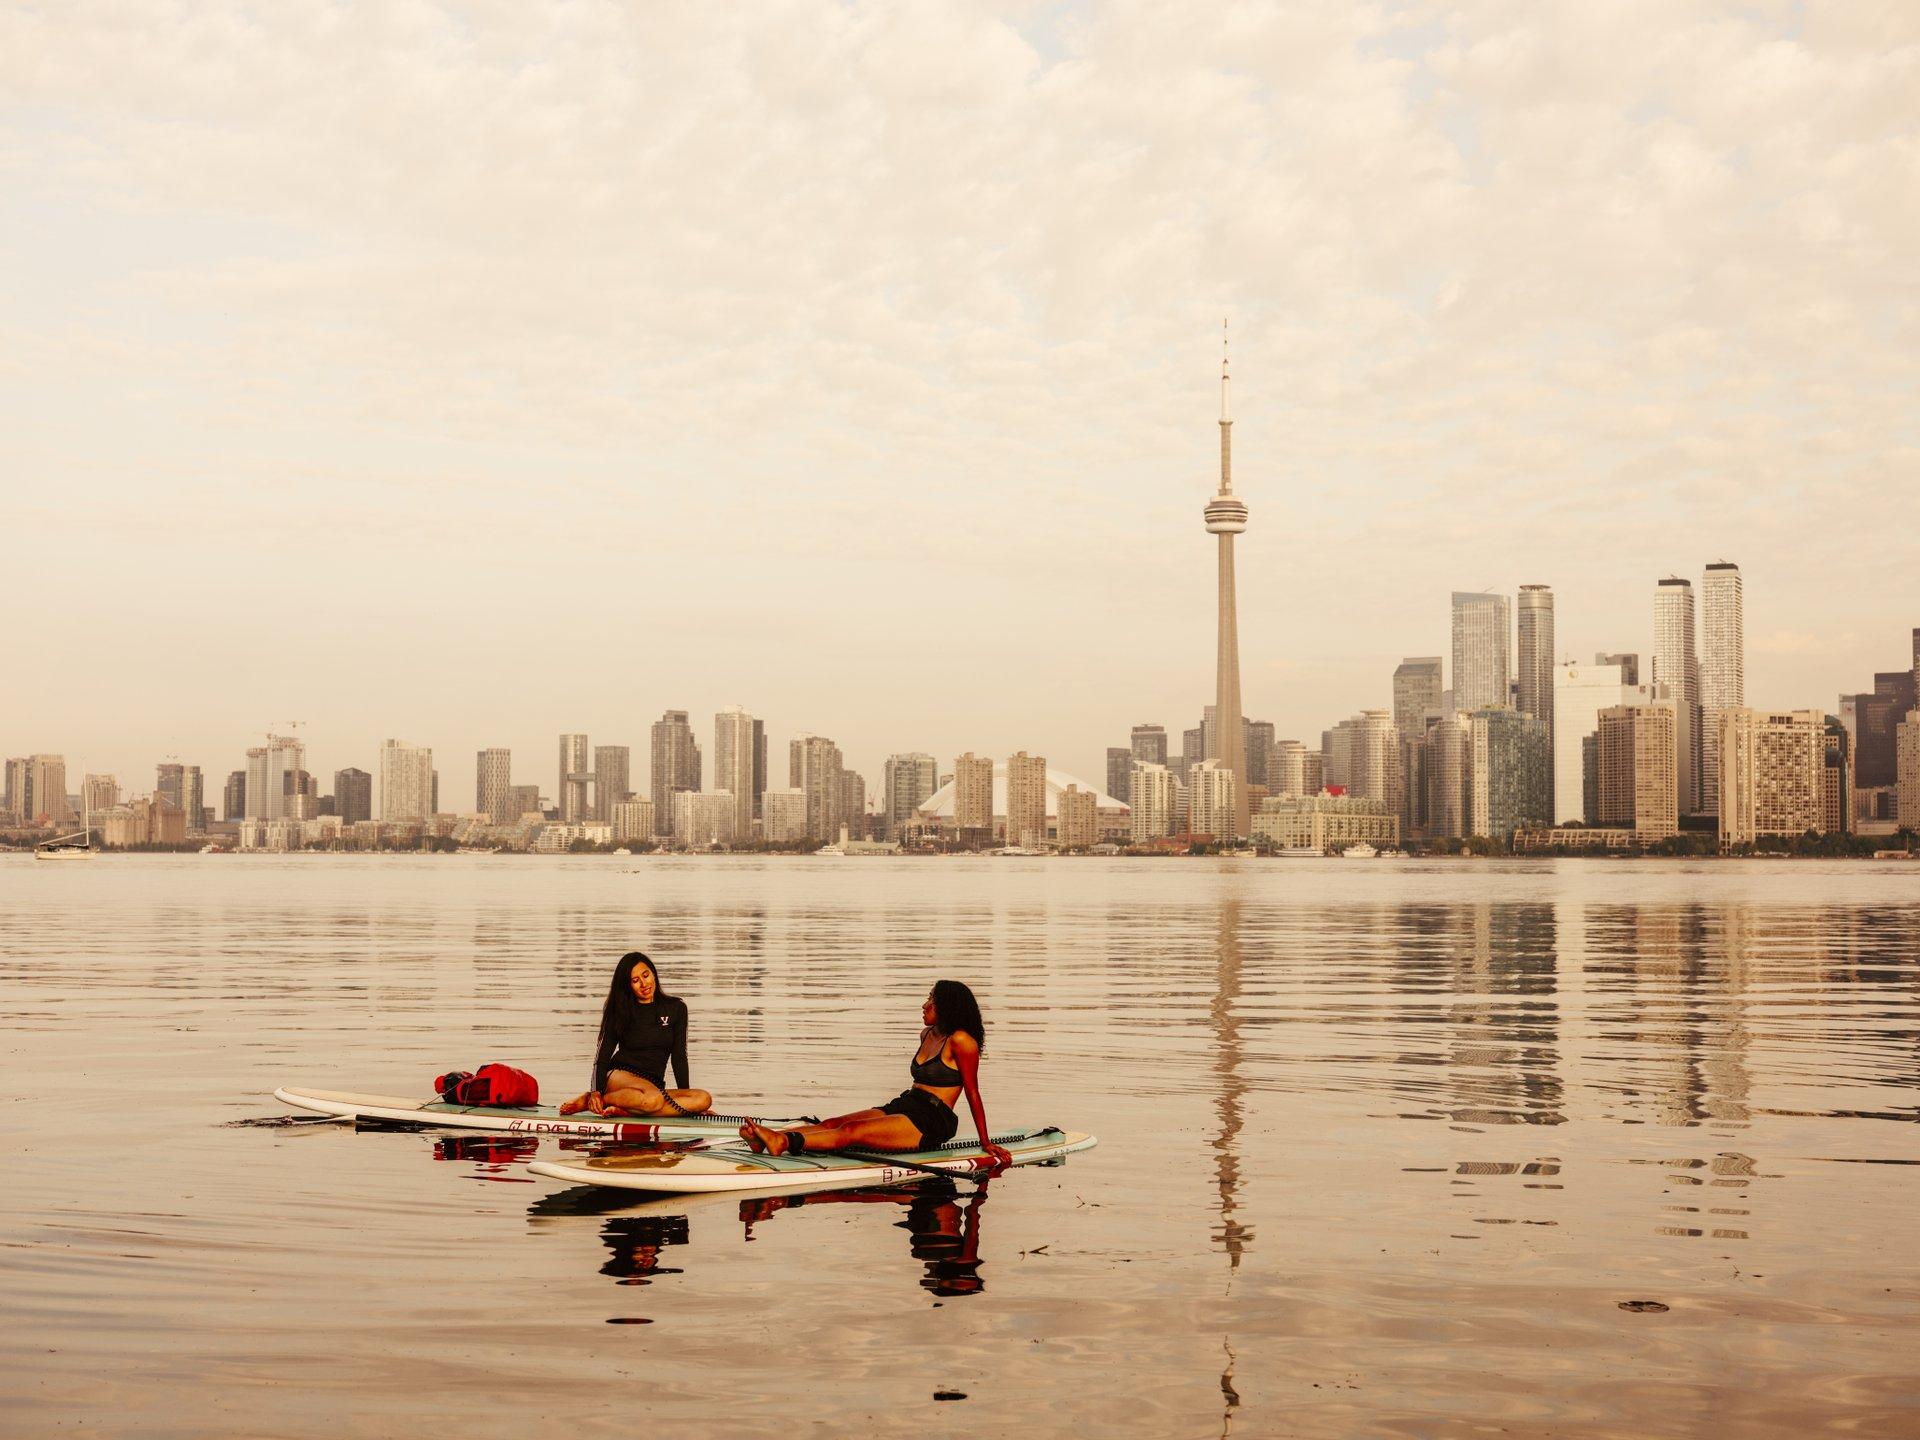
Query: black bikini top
[(933, 1071)]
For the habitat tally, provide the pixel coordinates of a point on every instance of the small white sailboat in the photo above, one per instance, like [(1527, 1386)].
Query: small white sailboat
[(70, 847)]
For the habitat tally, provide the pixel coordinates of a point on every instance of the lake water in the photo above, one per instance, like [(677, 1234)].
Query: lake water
[(1385, 1148)]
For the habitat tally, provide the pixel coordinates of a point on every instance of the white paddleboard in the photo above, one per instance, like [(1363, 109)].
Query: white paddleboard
[(529, 1120), (735, 1167)]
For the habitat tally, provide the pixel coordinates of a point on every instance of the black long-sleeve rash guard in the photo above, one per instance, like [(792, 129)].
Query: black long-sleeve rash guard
[(657, 1034)]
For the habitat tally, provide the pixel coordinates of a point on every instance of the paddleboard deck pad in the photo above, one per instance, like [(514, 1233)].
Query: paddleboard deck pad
[(735, 1167), (528, 1120)]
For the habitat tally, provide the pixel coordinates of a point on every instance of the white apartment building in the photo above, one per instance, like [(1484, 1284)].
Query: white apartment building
[(1676, 664), (1154, 801), (733, 765), (633, 820), (1482, 650), (271, 769), (1772, 773), (703, 818), (1211, 799), (1723, 668), (783, 816), (406, 782)]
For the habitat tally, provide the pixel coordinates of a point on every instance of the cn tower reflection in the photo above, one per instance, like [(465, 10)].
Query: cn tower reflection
[(1229, 1099)]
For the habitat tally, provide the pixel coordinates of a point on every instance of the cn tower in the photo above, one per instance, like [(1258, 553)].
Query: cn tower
[(1226, 516)]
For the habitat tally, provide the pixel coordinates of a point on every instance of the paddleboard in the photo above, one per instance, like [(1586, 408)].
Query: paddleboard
[(735, 1167), (530, 1120)]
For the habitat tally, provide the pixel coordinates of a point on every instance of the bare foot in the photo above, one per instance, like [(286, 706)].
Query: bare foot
[(577, 1104), (750, 1133), (762, 1140)]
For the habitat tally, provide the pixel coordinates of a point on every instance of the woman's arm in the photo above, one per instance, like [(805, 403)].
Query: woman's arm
[(966, 1059), (681, 1080)]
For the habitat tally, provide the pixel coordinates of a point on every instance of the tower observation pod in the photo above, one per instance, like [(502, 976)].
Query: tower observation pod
[(1226, 517)]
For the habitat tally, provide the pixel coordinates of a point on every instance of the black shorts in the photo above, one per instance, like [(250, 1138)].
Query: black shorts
[(931, 1116)]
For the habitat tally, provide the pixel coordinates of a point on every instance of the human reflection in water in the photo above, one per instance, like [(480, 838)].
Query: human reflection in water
[(634, 1243), (494, 1155), (942, 1226)]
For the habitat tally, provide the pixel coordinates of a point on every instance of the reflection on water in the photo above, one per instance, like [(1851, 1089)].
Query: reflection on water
[(1384, 1148)]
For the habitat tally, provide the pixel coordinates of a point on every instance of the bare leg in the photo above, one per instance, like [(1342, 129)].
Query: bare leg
[(870, 1128), (635, 1095), (579, 1103)]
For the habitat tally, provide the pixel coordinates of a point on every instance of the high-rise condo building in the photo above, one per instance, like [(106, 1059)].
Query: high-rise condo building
[(853, 804), (1287, 770), (522, 801), (1152, 811), (1536, 656), (1314, 779), (1836, 779), (1639, 748), (1026, 799), (1676, 664), (181, 786), (759, 764), (1119, 771), (1907, 771), (1772, 771), (406, 781), (1149, 743), (1482, 650), (612, 779), (99, 792), (352, 795), (233, 799), (1226, 517), (973, 798), (492, 779), (1628, 663), (633, 819), (576, 780), (1446, 770), (906, 781), (1336, 753), (703, 819), (1416, 694), (734, 763), (1077, 823), (1260, 743), (1723, 668), (1580, 693), (271, 777), (783, 816), (1509, 773), (1210, 802), (676, 764), (813, 765)]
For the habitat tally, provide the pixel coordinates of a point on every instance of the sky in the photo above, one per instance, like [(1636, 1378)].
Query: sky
[(469, 373)]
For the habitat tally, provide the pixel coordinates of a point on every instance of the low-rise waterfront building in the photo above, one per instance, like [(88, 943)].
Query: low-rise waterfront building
[(1326, 822)]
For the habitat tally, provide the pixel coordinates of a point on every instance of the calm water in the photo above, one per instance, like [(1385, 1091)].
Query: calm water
[(1384, 1149)]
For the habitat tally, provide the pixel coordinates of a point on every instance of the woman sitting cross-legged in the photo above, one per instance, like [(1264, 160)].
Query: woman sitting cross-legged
[(641, 1029), (921, 1117)]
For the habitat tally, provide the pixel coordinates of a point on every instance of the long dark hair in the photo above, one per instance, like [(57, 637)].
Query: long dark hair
[(621, 1009), (955, 1009)]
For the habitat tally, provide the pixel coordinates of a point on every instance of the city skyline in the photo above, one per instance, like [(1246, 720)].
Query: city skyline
[(565, 438)]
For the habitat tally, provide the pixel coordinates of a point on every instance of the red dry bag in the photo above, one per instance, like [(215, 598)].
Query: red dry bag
[(496, 1085)]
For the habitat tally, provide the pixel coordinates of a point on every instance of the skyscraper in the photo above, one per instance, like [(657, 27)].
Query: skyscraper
[(1580, 693), (352, 795), (1482, 650), (1416, 694), (1536, 656), (492, 779), (182, 786), (406, 781), (1226, 517), (1676, 664), (813, 766), (1026, 799), (733, 765), (1906, 762), (907, 780), (99, 792), (1287, 770), (1638, 750), (576, 776), (1078, 824), (233, 801), (1149, 742), (1211, 803), (1260, 743), (759, 764), (1723, 668), (1628, 662), (853, 804), (612, 769), (1119, 772), (1152, 811), (675, 764), (272, 777), (973, 798), (1510, 773)]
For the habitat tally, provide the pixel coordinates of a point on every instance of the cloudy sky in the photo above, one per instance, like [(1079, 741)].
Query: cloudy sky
[(470, 372)]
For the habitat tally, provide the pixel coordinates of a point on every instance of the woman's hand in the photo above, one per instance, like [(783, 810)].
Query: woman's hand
[(999, 1157)]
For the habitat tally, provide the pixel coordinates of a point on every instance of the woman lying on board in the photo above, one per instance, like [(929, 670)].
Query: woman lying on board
[(641, 1029), (920, 1117)]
